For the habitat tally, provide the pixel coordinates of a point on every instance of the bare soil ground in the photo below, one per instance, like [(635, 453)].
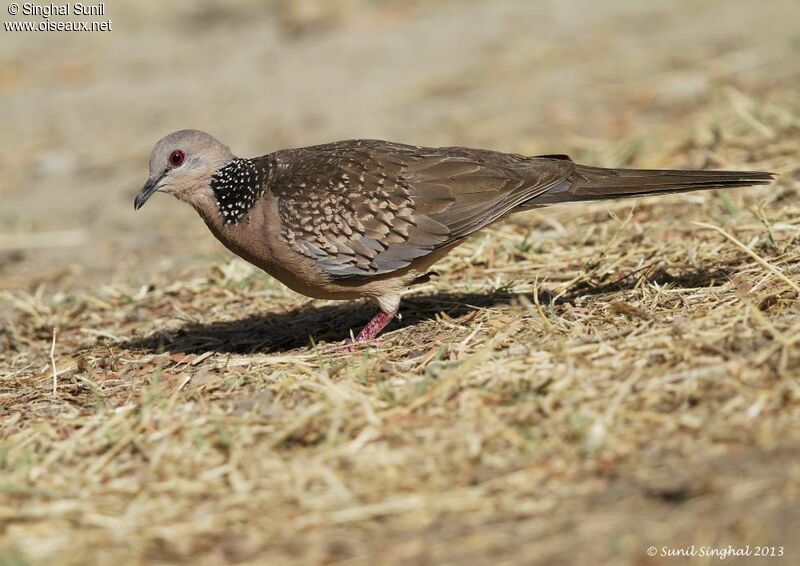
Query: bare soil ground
[(581, 383)]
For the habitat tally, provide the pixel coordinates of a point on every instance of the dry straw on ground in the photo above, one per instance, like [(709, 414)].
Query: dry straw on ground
[(579, 383)]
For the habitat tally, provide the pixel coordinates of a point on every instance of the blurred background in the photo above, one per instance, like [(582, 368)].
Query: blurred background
[(603, 81)]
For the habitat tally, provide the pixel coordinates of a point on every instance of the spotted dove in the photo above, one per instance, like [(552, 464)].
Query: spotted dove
[(368, 218)]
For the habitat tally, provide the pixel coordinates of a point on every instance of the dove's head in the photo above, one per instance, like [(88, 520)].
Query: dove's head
[(182, 164)]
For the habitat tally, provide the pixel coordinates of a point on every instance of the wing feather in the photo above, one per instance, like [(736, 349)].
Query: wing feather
[(363, 208)]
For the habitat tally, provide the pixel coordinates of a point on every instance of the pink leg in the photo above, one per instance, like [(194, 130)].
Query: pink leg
[(374, 326)]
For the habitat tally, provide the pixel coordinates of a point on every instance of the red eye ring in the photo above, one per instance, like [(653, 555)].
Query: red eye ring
[(176, 158)]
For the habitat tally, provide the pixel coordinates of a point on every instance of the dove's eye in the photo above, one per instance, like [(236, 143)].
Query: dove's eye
[(176, 158)]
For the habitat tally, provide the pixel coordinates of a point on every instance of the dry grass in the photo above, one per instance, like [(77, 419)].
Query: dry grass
[(579, 384)]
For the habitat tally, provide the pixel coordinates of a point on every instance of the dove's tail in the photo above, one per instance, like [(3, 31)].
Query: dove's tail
[(595, 183)]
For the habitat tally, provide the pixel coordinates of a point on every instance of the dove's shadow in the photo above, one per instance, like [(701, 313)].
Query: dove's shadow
[(280, 332), (277, 332)]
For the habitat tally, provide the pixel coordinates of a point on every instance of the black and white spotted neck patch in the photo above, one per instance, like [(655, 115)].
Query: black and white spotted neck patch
[(237, 186)]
